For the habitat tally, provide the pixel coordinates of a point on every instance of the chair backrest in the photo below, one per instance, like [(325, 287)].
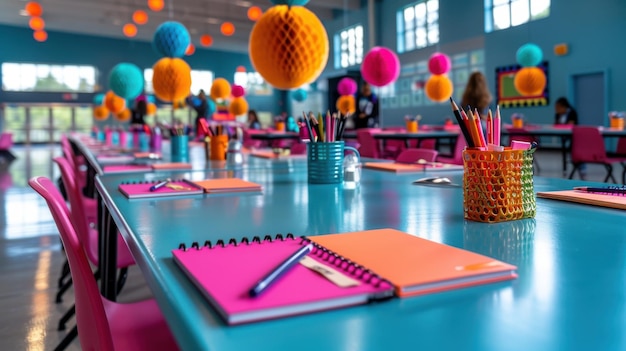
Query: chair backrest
[(90, 315), (6, 141), (414, 155), (621, 146), (368, 144), (460, 145), (68, 152), (587, 145), (520, 134)]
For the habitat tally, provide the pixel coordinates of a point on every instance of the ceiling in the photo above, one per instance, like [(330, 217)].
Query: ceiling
[(107, 17)]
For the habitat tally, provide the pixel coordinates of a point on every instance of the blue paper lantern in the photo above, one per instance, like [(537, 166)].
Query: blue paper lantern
[(299, 95), (529, 55), (171, 39), (98, 99), (151, 99), (290, 2), (126, 80)]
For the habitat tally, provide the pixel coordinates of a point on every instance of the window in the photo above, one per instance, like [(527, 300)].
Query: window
[(348, 45), (48, 78), (199, 80), (253, 83), (502, 14), (418, 25)]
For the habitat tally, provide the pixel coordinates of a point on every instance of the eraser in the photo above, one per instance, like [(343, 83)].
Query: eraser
[(520, 145)]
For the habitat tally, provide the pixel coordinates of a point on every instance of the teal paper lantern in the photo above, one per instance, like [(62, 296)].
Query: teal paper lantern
[(529, 55), (98, 99), (290, 2), (126, 80), (211, 107), (299, 95), (171, 39), (151, 99)]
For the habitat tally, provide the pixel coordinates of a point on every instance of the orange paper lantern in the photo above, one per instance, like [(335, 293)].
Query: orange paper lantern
[(156, 5), (40, 35), (289, 46), (130, 30), (33, 8), (220, 89), (254, 13), (114, 103), (140, 17), (171, 79), (438, 88), (227, 29), (100, 113), (151, 109), (238, 106), (530, 81), (206, 40), (123, 116), (346, 104), (190, 50), (36, 23)]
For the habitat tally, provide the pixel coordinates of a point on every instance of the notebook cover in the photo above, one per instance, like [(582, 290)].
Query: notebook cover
[(113, 159), (136, 190), (416, 266), (411, 168), (273, 155), (603, 200), (126, 168), (171, 165), (150, 155), (226, 185), (226, 274)]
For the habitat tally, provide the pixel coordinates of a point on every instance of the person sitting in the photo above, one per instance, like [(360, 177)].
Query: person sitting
[(564, 112), (253, 120)]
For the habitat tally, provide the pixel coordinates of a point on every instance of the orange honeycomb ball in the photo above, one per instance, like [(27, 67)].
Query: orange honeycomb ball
[(238, 106), (171, 79), (123, 116), (530, 81), (220, 89), (288, 46), (100, 113), (346, 104), (151, 109), (114, 103), (438, 88)]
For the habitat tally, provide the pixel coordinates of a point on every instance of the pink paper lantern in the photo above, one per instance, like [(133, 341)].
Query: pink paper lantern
[(439, 63), (346, 86), (238, 91), (380, 66)]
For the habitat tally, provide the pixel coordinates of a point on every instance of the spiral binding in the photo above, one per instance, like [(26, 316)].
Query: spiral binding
[(138, 182), (352, 268)]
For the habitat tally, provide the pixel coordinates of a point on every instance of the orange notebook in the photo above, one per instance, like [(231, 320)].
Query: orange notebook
[(416, 266), (171, 165), (227, 185), (273, 155), (604, 200), (411, 168)]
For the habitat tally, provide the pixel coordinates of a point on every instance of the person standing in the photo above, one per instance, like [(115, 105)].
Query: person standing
[(476, 94), (367, 108), (201, 106)]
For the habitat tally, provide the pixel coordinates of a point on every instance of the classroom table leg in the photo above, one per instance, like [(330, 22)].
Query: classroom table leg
[(107, 263), (564, 154)]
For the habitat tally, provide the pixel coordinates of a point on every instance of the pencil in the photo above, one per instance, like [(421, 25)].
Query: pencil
[(308, 127), (489, 128), (496, 127), (462, 125), (479, 127)]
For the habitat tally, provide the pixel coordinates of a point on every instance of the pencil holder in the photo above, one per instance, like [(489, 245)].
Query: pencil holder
[(180, 148), (218, 146), (144, 142), (518, 123), (412, 126), (617, 123), (498, 185), (280, 126), (325, 162)]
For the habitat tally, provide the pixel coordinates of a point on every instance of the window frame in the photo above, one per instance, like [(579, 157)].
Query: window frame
[(490, 5), (54, 70), (407, 28), (339, 50)]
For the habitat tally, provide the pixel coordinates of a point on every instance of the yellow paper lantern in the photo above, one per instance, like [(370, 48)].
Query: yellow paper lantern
[(123, 116), (227, 28), (288, 46), (530, 81), (100, 113), (156, 5), (438, 88), (171, 79), (254, 13), (238, 106), (114, 103), (346, 104), (151, 109), (36, 23), (220, 89), (178, 104)]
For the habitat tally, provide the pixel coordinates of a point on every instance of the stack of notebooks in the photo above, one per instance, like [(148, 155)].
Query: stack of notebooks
[(180, 187), (129, 168), (381, 263), (611, 197), (412, 168), (273, 155)]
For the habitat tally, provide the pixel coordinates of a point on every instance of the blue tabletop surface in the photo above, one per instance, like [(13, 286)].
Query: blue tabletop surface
[(570, 294)]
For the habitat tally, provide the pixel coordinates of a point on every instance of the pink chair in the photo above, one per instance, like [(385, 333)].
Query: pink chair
[(369, 146), (104, 325), (588, 147), (298, 149), (6, 142), (457, 156), (415, 155)]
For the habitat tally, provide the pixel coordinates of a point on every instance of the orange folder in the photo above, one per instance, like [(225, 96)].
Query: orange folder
[(410, 168), (226, 185), (603, 200), (416, 266)]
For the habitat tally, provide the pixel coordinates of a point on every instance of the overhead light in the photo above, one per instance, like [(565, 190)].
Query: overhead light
[(243, 3), (212, 20), (24, 13)]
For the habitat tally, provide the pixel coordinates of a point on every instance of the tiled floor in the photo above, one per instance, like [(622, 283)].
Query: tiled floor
[(30, 255)]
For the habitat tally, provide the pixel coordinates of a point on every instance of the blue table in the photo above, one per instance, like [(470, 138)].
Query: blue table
[(570, 294)]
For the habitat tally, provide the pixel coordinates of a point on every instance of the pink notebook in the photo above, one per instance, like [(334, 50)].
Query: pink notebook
[(126, 168), (141, 189), (226, 274)]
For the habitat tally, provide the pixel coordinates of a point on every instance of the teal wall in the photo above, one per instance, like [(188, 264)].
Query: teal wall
[(18, 45)]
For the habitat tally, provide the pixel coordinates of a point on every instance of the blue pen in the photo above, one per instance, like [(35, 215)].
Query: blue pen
[(279, 271), (160, 185)]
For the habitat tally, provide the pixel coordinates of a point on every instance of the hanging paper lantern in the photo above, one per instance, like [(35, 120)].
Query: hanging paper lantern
[(36, 23), (380, 66), (98, 99), (254, 13), (140, 17), (238, 107), (206, 40), (289, 46), (126, 80), (34, 9), (220, 89), (190, 50), (439, 63), (211, 107), (100, 113), (123, 116), (529, 55), (40, 35), (299, 95), (346, 104), (129, 30), (238, 91), (290, 2), (179, 104), (227, 28), (530, 81), (171, 79), (114, 103), (347, 86), (438, 88), (151, 109), (156, 5), (171, 39), (151, 98)]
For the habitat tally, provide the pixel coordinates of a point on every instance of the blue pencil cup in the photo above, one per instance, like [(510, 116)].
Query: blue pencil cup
[(144, 142), (179, 148), (325, 162)]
